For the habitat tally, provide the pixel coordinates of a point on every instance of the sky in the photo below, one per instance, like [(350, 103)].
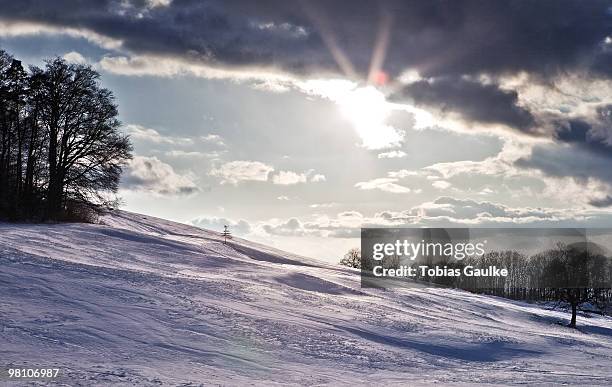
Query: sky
[(299, 122)]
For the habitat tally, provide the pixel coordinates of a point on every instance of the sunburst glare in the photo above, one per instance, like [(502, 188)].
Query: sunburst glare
[(367, 109)]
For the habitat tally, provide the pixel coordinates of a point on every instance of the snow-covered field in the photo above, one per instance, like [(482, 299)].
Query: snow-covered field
[(139, 300)]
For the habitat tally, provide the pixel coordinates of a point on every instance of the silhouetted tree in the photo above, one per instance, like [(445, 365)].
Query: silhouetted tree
[(60, 145), (226, 234), (575, 275), (86, 150), (568, 275), (13, 88)]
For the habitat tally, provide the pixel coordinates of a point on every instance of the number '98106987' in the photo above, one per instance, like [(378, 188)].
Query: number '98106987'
[(32, 373)]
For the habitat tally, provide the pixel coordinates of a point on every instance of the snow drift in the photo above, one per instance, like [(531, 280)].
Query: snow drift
[(140, 300)]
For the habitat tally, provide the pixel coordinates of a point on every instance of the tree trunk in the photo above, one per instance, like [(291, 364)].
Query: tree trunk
[(29, 176), (52, 189), (572, 323)]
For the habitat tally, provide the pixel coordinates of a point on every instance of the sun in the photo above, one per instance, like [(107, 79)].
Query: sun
[(364, 104), (365, 107), (368, 109)]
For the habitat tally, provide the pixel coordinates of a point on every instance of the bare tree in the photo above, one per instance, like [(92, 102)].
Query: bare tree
[(571, 276), (60, 145), (226, 234), (86, 151), (574, 274), (14, 135), (352, 258)]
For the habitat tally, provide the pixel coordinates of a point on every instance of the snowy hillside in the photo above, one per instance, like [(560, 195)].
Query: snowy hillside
[(139, 300)]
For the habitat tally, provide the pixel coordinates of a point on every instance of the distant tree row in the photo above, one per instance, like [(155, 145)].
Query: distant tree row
[(61, 152), (574, 275)]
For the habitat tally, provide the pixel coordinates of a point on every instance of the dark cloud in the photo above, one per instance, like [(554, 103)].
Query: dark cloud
[(485, 103), (445, 40), (435, 37), (603, 202), (569, 161), (585, 151), (583, 135)]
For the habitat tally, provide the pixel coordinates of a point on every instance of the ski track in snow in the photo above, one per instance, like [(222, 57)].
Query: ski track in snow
[(138, 300)]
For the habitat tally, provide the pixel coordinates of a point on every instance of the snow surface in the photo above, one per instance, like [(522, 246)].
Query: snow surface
[(138, 300)]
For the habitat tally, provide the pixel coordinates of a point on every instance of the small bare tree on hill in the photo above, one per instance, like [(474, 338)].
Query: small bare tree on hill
[(352, 258), (226, 234)]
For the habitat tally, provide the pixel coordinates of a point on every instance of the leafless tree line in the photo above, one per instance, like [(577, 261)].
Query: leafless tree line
[(571, 275)]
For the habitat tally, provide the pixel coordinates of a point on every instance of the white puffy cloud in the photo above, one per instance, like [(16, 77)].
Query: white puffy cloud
[(571, 181), (290, 227), (441, 212), (158, 3), (74, 57), (234, 172), (188, 154), (150, 174), (403, 173), (166, 66), (237, 227), (289, 178), (474, 212), (11, 29), (486, 191), (501, 164), (392, 154), (323, 205), (317, 178), (441, 184), (140, 132), (386, 184), (213, 139)]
